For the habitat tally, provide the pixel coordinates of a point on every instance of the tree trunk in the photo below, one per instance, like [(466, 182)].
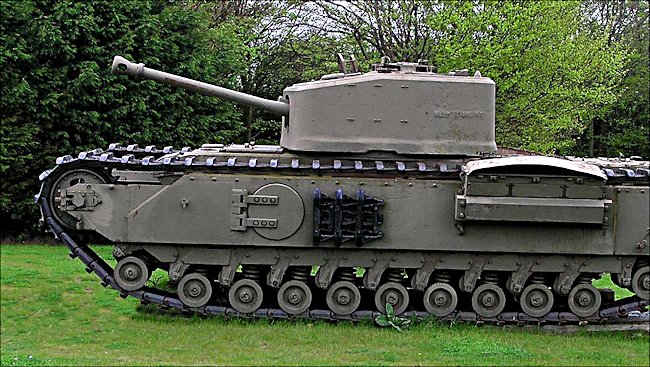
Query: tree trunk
[(248, 124)]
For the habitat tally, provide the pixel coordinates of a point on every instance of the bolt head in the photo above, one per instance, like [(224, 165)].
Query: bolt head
[(245, 296), (343, 298), (488, 300)]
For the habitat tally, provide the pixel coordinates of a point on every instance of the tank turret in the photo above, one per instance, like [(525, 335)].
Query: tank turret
[(402, 108)]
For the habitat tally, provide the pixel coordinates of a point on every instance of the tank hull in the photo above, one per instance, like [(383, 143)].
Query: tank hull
[(196, 209)]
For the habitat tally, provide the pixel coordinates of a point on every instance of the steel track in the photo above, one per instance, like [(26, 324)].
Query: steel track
[(625, 314)]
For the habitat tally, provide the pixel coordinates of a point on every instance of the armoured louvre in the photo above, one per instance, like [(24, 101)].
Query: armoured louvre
[(412, 201)]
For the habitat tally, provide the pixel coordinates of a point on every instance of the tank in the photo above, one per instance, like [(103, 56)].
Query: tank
[(386, 189)]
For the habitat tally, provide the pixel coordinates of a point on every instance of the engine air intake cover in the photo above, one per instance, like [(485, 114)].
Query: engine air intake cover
[(532, 189)]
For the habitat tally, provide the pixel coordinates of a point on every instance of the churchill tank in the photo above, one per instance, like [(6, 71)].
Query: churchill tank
[(387, 188)]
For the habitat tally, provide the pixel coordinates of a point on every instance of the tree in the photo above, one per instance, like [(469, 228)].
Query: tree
[(58, 96), (397, 29), (622, 128)]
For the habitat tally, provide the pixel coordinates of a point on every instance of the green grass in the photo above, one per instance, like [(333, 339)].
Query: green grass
[(606, 282), (55, 312)]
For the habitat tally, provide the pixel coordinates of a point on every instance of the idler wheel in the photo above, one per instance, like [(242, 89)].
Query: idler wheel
[(440, 299), (536, 300), (245, 296), (194, 290), (641, 283), (294, 297), (584, 300), (343, 298), (131, 273), (393, 293), (488, 300), (66, 181)]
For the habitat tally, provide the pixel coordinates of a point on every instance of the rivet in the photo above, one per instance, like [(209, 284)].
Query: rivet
[(191, 178), (410, 184), (236, 180), (337, 182), (214, 178), (434, 185), (386, 183), (361, 183)]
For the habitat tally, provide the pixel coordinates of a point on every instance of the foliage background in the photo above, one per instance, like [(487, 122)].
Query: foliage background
[(572, 76)]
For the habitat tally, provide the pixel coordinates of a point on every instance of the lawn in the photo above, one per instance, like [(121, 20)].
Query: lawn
[(53, 313)]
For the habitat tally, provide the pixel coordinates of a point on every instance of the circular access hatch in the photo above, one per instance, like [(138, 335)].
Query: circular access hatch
[(289, 211)]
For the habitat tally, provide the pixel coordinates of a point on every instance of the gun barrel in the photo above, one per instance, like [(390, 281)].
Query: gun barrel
[(122, 66)]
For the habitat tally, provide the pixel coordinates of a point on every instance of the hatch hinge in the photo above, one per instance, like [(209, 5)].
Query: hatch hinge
[(240, 200)]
